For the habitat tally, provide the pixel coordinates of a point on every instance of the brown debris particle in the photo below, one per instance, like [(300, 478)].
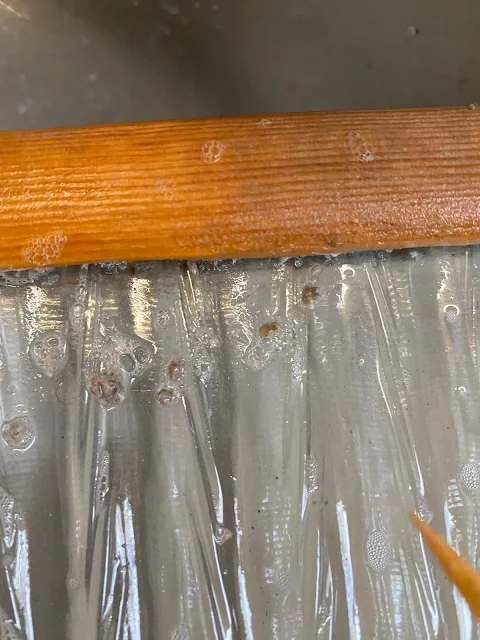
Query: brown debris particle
[(166, 397), (108, 389), (175, 370), (268, 329), (309, 295)]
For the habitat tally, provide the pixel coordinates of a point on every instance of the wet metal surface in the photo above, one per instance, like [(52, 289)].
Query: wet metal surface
[(230, 450)]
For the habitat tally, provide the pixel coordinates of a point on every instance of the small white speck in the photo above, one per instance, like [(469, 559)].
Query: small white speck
[(171, 8), (23, 107)]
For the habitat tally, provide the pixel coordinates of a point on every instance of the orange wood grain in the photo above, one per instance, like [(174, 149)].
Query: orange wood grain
[(254, 186)]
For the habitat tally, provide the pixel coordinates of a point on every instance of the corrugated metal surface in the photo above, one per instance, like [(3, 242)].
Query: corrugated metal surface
[(230, 450)]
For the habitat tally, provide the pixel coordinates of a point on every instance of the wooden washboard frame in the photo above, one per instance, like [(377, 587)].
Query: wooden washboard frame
[(278, 185)]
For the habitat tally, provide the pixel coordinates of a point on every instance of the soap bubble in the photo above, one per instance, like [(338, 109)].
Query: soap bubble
[(19, 433), (48, 352)]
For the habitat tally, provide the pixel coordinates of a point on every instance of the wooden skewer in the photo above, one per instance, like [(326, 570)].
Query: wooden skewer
[(240, 187), (460, 572)]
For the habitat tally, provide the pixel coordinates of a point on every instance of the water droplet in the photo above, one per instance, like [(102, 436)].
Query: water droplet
[(279, 265), (127, 362), (7, 560), (347, 271), (180, 633), (103, 479), (202, 367), (281, 579), (163, 318), (209, 339), (112, 268), (118, 351), (201, 363), (214, 343), (470, 476), (361, 362), (142, 356), (7, 516), (222, 534), (107, 386), (407, 378), (298, 262), (28, 276), (19, 433), (360, 147), (378, 551), (48, 352), (312, 475), (451, 313), (316, 272), (298, 361), (72, 584), (76, 316), (166, 189), (212, 151), (418, 256), (296, 316), (167, 397), (77, 311), (423, 510), (81, 291), (259, 354), (462, 391)]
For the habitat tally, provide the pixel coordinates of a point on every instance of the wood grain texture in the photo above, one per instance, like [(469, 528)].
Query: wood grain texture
[(258, 186)]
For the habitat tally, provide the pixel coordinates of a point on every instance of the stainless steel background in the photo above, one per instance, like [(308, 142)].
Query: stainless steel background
[(83, 61)]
